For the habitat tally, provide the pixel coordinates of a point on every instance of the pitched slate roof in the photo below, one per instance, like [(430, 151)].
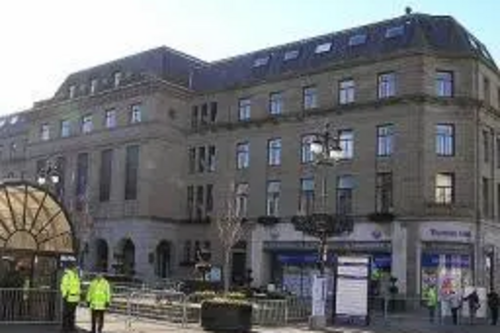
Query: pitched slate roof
[(413, 32), (419, 32)]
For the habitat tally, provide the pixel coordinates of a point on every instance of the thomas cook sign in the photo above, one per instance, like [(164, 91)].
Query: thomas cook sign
[(447, 232)]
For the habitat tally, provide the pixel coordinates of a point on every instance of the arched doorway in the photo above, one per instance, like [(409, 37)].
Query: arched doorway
[(125, 258), (101, 255), (36, 237), (163, 259)]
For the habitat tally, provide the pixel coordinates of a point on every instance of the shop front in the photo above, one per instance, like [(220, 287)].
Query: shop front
[(447, 257)]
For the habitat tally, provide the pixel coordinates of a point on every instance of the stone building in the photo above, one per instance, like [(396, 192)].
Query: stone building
[(149, 146)]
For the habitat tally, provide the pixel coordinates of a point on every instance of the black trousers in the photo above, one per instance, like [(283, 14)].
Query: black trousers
[(97, 320), (494, 316), (69, 316), (454, 315)]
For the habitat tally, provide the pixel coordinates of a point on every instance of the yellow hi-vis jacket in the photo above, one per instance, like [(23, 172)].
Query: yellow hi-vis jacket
[(99, 294), (71, 286)]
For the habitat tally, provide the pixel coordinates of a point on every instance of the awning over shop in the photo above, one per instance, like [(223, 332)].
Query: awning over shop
[(31, 219)]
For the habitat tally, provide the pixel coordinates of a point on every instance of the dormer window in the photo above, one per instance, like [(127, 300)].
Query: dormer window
[(93, 86), (357, 39), (117, 78), (45, 132), (323, 48), (394, 31), (72, 90), (14, 120), (2, 122), (87, 125), (290, 55), (262, 61)]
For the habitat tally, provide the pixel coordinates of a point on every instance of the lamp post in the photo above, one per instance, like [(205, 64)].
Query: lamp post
[(49, 177), (321, 224)]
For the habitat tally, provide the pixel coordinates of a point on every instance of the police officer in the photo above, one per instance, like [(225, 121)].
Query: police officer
[(98, 298), (71, 294)]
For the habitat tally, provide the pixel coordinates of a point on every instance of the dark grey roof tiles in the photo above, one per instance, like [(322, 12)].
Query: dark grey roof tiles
[(415, 32)]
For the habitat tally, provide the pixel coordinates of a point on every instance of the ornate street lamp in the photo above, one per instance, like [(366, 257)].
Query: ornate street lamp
[(49, 176), (321, 224)]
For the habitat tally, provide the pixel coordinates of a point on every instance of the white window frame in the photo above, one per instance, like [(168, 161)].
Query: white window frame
[(242, 155), (290, 55), (117, 79), (87, 124), (45, 132), (444, 83), (273, 197), (323, 47), (445, 139), (93, 86), (310, 97), (275, 103), (110, 118), (241, 209), (244, 109), (135, 113), (347, 91), (385, 140), (386, 85), (346, 142), (444, 189), (65, 128), (306, 154), (274, 152)]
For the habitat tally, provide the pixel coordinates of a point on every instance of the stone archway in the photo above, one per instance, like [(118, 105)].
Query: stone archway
[(125, 258), (101, 255), (163, 259)]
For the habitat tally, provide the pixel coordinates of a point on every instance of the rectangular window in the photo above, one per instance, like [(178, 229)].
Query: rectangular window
[(192, 160), (394, 31), (290, 55), (357, 39), (187, 251), (323, 48), (486, 146), (498, 152), (45, 132), (199, 202), (384, 192), (244, 109), (131, 172), (273, 198), (82, 173), (346, 142), (72, 91), (498, 200), (242, 199), (242, 155), (306, 154), (13, 150), (204, 114), (275, 103), (486, 91), (345, 187), (306, 199), (445, 139), (486, 197), (385, 140), (202, 159), (444, 83), (209, 205), (310, 97), (386, 85), (445, 188), (194, 117), (110, 118), (105, 175), (190, 202), (61, 171), (87, 124), (65, 128), (117, 79), (346, 91), (135, 113), (274, 152), (213, 112), (211, 158), (93, 86)]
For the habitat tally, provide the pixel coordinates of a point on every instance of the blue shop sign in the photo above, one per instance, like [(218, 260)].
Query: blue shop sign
[(379, 261), (447, 260)]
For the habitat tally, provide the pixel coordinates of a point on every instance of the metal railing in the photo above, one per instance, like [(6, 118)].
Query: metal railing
[(38, 306)]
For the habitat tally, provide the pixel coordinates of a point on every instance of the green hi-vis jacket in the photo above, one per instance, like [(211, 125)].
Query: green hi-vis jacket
[(71, 286), (99, 294)]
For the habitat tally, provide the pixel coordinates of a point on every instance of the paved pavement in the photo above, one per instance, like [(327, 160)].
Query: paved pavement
[(118, 324)]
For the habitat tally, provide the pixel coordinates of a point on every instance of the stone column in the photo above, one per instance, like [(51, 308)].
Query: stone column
[(399, 257), (256, 258)]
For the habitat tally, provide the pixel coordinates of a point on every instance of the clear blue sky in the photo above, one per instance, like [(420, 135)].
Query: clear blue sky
[(43, 41)]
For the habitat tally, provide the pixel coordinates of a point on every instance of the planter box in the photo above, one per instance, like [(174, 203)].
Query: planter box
[(226, 317)]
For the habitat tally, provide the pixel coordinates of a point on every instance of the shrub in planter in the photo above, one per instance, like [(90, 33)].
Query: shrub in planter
[(226, 315)]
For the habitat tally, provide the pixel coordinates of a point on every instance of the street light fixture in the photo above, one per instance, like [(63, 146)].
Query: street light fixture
[(48, 176), (321, 224)]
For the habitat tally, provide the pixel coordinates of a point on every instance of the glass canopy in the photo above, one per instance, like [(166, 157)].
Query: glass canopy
[(31, 219)]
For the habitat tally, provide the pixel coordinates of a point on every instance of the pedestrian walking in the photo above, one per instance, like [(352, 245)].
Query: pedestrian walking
[(493, 304), (71, 293), (455, 302), (432, 301), (98, 299), (474, 305)]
